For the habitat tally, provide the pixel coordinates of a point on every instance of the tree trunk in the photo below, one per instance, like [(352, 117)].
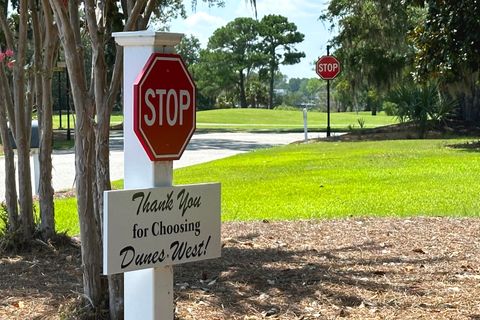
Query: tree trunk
[(85, 184), (69, 30), (10, 183), (470, 103), (23, 122), (104, 104), (115, 282), (467, 93), (115, 296), (270, 88), (7, 114), (243, 98), (46, 192), (24, 182)]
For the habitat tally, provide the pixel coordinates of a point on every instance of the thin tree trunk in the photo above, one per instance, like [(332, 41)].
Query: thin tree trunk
[(85, 178), (102, 150), (46, 192), (270, 89), (467, 93), (69, 30), (10, 183), (243, 98), (23, 123), (115, 282), (7, 113)]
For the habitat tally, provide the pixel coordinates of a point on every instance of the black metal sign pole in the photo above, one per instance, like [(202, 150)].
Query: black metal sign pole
[(328, 99), (59, 78)]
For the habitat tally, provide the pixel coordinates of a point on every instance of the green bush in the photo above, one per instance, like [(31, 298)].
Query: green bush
[(420, 103), (389, 107), (3, 220), (361, 122)]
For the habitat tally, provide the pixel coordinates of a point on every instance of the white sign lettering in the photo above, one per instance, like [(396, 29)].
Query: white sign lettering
[(329, 67), (149, 228), (175, 103)]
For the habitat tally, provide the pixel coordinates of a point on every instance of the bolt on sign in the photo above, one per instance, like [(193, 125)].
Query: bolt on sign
[(149, 228), (164, 107)]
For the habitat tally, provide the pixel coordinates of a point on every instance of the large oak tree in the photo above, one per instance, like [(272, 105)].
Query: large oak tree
[(448, 50)]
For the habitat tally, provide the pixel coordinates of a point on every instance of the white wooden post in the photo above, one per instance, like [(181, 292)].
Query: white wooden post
[(305, 127), (149, 292), (36, 169)]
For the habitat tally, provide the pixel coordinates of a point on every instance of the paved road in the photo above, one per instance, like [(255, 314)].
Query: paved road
[(203, 147)]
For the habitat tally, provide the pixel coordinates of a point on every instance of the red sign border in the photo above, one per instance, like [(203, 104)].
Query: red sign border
[(339, 67), (137, 86)]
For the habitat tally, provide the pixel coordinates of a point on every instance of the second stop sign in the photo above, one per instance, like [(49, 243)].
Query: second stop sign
[(328, 67), (164, 107)]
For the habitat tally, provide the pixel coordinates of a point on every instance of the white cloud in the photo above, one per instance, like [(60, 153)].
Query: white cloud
[(200, 24), (203, 19), (289, 8)]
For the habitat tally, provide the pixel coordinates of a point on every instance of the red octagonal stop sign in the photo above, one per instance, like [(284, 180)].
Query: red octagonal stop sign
[(164, 107), (328, 67)]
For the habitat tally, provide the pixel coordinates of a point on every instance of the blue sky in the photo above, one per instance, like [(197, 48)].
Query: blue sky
[(304, 13)]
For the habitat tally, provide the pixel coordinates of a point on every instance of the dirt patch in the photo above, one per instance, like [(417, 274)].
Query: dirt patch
[(418, 268)]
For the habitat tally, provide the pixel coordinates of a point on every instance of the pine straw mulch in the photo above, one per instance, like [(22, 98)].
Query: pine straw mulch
[(357, 268)]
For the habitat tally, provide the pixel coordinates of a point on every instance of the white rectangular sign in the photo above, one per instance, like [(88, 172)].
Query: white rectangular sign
[(147, 228)]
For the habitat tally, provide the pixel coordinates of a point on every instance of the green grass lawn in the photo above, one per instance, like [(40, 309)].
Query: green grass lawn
[(262, 119), (116, 118), (256, 120), (337, 179)]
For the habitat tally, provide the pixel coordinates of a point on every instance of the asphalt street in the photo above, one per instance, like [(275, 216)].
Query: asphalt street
[(203, 147)]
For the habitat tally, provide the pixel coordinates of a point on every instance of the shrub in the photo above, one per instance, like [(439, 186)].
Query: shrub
[(361, 122), (420, 104), (390, 108)]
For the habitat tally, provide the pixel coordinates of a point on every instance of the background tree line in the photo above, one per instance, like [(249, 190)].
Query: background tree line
[(241, 61), (416, 59)]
